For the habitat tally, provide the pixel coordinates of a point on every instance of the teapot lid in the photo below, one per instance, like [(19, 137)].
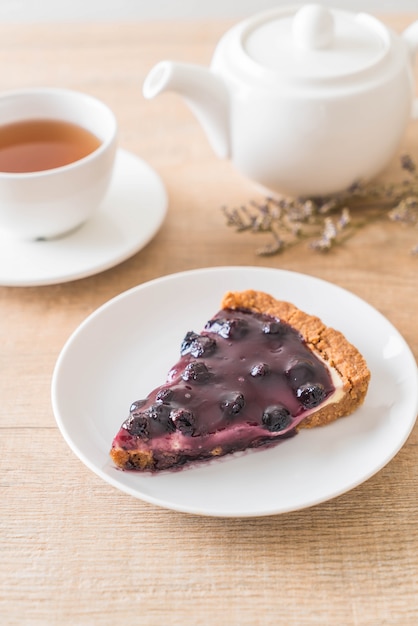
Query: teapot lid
[(315, 42)]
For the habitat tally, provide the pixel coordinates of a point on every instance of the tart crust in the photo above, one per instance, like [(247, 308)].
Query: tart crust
[(344, 361)]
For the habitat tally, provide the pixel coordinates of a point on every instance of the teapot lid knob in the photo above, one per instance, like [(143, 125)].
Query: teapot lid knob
[(313, 27)]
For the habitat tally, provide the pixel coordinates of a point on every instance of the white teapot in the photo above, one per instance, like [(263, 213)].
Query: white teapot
[(304, 100)]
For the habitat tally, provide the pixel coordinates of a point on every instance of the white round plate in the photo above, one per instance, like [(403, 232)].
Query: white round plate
[(130, 215), (125, 349)]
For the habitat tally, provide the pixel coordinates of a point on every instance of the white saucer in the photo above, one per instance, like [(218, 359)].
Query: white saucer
[(131, 214)]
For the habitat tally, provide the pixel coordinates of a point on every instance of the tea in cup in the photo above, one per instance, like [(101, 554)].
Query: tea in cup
[(57, 152)]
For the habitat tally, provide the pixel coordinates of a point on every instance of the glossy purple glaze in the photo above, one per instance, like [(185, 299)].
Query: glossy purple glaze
[(247, 379)]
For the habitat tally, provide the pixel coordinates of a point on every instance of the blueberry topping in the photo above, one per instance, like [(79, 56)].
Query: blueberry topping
[(255, 370), (197, 345), (311, 395), (260, 370), (158, 411), (232, 403), (228, 328), (197, 371), (135, 406), (300, 373), (159, 418), (137, 425), (183, 420), (164, 395), (276, 418), (273, 328)]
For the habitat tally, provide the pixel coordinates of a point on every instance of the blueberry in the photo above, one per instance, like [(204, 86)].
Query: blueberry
[(183, 420), (276, 418), (232, 403), (137, 425), (160, 413), (197, 371), (197, 345), (311, 394), (260, 370), (135, 406), (300, 373), (228, 328), (164, 395), (273, 327)]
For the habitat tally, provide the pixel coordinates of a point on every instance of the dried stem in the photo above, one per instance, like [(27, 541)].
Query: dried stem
[(328, 221)]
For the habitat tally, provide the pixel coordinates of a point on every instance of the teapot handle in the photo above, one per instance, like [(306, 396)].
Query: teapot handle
[(410, 36)]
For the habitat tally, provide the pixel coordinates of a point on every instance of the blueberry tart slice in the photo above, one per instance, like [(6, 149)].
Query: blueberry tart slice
[(260, 370)]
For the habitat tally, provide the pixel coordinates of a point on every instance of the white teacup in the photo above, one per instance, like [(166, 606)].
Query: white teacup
[(51, 202)]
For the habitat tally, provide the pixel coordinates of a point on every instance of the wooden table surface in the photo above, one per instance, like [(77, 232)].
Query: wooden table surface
[(74, 550)]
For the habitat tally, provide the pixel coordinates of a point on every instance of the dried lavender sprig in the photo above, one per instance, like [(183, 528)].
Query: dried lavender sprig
[(288, 220)]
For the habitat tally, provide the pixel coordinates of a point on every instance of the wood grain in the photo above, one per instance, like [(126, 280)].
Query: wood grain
[(76, 551)]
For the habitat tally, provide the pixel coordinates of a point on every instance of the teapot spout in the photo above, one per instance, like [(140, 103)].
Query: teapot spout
[(205, 93)]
